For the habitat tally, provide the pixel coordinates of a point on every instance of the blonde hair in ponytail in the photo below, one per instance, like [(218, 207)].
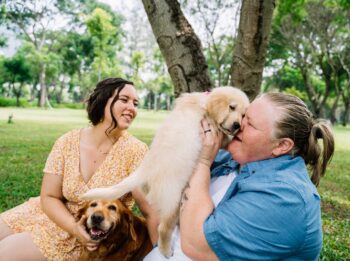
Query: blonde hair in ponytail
[(297, 123), (312, 156)]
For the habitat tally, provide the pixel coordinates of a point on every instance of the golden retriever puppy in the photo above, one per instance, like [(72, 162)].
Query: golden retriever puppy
[(174, 152), (122, 235)]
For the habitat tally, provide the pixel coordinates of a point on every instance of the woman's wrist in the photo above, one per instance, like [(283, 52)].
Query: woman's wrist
[(205, 162), (73, 228)]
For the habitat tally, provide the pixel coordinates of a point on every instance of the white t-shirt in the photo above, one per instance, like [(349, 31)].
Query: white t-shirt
[(218, 188)]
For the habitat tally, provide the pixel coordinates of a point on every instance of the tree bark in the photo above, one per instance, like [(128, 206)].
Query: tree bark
[(251, 45), (346, 113), (43, 90), (179, 45), (346, 101), (18, 93), (334, 107)]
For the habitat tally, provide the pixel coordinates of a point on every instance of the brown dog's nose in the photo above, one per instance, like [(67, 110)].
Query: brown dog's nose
[(236, 126), (97, 218)]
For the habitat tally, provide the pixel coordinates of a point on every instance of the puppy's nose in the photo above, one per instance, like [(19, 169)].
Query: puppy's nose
[(236, 126), (97, 218)]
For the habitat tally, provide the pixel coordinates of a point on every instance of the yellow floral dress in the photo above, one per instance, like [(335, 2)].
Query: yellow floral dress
[(55, 243)]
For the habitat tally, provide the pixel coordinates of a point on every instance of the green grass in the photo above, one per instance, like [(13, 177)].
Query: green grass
[(335, 193), (25, 144)]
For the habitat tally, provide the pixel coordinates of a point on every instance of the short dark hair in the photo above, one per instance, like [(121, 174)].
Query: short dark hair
[(97, 100)]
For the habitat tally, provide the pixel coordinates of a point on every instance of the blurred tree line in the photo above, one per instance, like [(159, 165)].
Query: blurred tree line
[(308, 54), (66, 48)]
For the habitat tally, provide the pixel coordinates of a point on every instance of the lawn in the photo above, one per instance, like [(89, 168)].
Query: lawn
[(25, 144)]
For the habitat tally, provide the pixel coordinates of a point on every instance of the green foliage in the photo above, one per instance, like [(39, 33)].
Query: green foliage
[(61, 57), (310, 37), (11, 102), (284, 78), (17, 69), (105, 35), (78, 105), (219, 57), (294, 91), (160, 88), (137, 63), (3, 41), (295, 8)]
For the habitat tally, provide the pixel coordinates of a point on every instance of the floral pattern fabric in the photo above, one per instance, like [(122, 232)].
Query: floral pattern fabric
[(64, 159)]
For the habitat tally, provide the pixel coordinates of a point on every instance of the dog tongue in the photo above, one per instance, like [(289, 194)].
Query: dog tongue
[(97, 232)]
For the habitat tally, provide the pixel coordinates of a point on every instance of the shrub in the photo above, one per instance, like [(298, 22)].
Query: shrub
[(68, 105), (12, 102)]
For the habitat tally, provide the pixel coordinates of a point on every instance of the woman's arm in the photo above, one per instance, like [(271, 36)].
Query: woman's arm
[(196, 207), (196, 203), (51, 198), (151, 215)]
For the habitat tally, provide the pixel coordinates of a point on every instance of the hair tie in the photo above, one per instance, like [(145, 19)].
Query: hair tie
[(317, 131)]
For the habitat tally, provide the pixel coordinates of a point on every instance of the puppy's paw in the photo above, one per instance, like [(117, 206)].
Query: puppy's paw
[(166, 250)]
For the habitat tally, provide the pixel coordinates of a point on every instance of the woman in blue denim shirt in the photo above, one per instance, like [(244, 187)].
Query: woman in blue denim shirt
[(271, 210)]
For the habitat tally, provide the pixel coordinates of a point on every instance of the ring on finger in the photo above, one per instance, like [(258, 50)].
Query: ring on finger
[(208, 130)]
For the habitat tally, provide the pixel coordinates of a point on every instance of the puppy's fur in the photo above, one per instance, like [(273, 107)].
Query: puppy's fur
[(123, 236), (174, 153)]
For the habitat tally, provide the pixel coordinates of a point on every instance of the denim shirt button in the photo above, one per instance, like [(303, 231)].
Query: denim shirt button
[(253, 171)]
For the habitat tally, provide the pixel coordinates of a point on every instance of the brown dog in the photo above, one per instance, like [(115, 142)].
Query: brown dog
[(122, 235)]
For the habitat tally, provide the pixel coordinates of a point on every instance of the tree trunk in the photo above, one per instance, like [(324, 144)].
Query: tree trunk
[(150, 100), (346, 101), (43, 91), (179, 45), (333, 117), (346, 113), (310, 90), (18, 94), (251, 45), (155, 108), (168, 102)]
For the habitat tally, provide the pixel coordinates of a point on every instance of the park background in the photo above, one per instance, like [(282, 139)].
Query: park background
[(65, 47)]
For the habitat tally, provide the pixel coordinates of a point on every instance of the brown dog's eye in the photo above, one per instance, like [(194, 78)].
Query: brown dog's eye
[(94, 204), (111, 207), (232, 107)]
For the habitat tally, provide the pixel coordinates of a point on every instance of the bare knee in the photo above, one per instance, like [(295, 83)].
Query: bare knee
[(18, 247)]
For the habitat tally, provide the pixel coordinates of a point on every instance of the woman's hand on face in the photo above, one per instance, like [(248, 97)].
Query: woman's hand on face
[(84, 238), (211, 142)]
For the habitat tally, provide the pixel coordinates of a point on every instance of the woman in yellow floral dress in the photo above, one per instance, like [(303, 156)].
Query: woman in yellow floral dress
[(44, 228)]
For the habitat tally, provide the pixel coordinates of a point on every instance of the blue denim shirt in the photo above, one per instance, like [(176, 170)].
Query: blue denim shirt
[(271, 211)]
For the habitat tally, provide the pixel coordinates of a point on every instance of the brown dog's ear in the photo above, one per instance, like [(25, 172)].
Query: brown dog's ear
[(132, 230), (127, 220), (128, 224), (81, 211)]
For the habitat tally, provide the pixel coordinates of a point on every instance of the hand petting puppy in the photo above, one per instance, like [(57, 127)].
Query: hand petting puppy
[(211, 141)]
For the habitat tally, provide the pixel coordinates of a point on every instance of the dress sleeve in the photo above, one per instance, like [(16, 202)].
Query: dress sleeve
[(265, 220), (55, 161)]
